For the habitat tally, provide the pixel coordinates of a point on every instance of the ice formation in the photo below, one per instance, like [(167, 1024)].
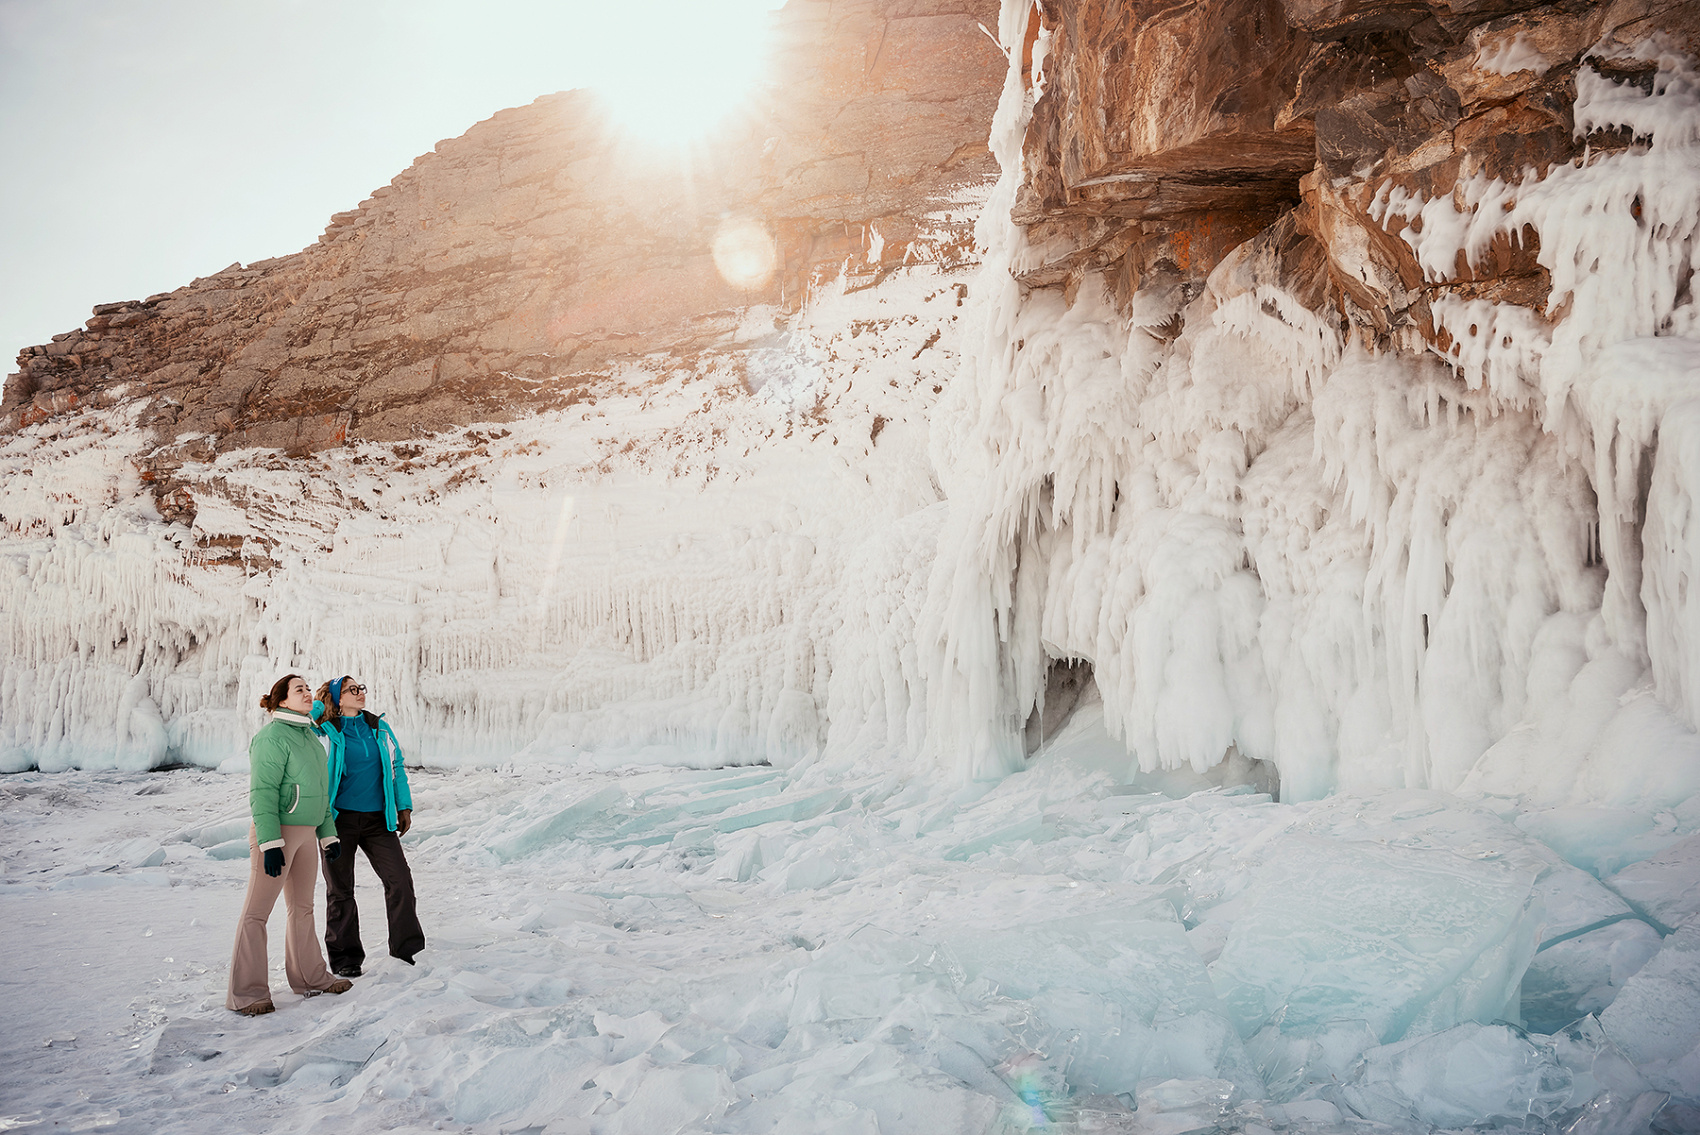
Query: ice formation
[(1369, 570), (659, 563)]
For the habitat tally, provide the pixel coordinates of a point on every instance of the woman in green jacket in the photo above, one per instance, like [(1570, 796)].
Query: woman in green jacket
[(289, 796)]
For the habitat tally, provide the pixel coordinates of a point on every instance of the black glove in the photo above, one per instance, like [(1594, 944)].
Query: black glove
[(332, 850), (274, 861)]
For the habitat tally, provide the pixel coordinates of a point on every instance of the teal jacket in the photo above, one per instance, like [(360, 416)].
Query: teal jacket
[(397, 796), (288, 781)]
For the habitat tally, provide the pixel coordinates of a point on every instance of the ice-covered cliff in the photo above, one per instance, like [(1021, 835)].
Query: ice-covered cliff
[(1319, 400), (1316, 393), (559, 434)]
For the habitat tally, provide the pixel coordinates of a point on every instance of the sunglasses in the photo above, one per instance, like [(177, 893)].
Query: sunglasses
[(352, 688)]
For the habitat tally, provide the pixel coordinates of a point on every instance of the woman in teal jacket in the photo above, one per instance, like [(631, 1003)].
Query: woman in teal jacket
[(374, 809), (289, 798)]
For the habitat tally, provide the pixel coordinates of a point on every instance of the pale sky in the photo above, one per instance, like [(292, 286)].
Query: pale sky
[(143, 144)]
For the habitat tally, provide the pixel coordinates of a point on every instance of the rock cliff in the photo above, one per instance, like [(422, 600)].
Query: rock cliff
[(1169, 134), (504, 269), (494, 274)]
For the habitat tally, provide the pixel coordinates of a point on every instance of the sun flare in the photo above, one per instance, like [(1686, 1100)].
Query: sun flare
[(695, 64)]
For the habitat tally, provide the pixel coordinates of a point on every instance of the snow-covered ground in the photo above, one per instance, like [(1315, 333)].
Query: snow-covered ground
[(665, 949)]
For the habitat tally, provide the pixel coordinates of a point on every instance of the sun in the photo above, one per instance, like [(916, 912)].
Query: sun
[(679, 69)]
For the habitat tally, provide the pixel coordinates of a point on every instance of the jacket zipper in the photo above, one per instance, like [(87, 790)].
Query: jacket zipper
[(297, 800)]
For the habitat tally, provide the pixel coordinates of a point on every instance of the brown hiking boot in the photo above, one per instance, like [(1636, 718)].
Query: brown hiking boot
[(340, 985), (257, 1009)]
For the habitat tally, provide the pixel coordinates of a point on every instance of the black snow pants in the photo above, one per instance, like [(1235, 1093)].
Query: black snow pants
[(365, 831)]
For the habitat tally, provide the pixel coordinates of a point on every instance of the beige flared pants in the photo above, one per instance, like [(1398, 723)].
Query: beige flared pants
[(303, 963)]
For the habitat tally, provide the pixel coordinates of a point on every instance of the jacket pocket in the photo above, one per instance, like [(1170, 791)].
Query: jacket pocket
[(294, 803)]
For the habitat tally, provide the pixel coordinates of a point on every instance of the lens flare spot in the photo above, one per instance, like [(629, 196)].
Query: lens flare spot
[(670, 72), (745, 254)]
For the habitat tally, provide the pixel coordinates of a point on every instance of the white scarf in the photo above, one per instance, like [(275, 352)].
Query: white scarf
[(290, 717)]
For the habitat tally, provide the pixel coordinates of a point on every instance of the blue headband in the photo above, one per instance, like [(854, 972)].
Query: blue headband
[(336, 691)]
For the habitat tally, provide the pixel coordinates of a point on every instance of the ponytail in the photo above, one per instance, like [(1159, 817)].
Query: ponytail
[(331, 705), (327, 707)]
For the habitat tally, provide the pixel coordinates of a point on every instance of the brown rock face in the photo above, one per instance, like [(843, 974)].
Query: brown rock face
[(1152, 110), (1165, 136), (1158, 144), (512, 263), (504, 268)]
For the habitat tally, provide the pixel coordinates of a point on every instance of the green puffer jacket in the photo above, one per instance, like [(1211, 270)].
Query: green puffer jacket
[(287, 779)]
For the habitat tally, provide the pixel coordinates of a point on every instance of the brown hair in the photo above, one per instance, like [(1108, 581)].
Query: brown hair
[(331, 708), (279, 692)]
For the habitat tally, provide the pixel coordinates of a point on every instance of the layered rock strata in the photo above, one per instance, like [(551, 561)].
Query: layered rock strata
[(1165, 136)]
